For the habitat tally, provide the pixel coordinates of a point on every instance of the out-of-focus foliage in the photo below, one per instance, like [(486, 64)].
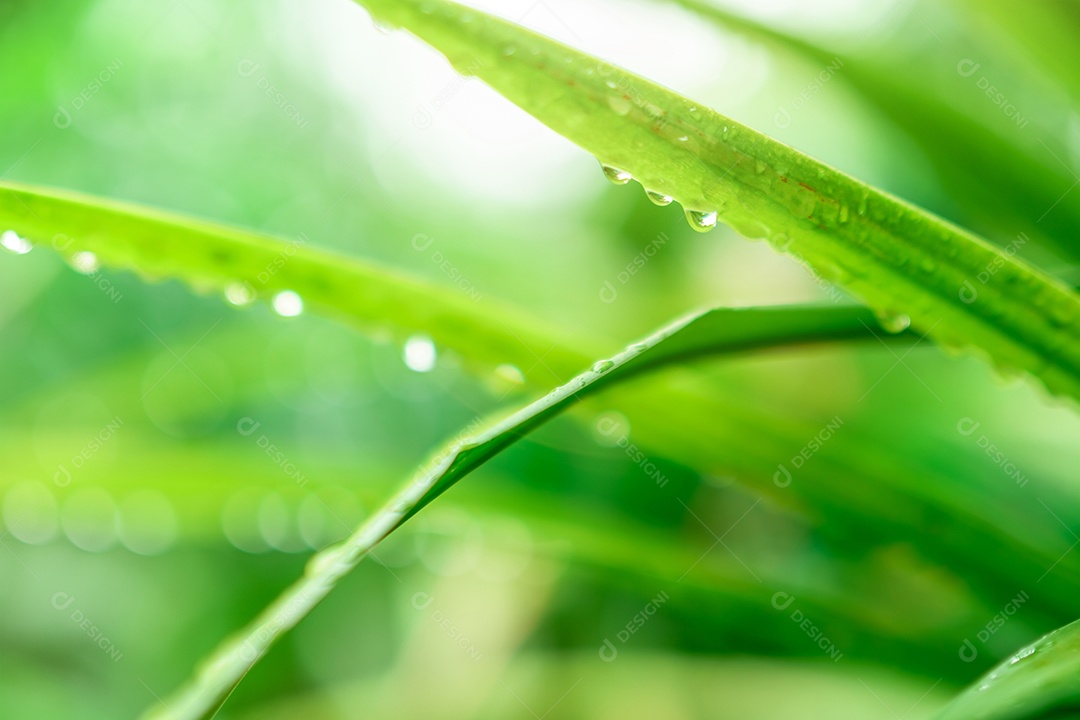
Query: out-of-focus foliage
[(877, 523)]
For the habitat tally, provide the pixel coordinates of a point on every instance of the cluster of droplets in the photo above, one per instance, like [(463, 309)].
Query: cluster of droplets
[(90, 518), (84, 262), (700, 220), (287, 303), (12, 242), (257, 520)]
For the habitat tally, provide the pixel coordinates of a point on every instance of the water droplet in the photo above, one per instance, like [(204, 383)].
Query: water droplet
[(147, 523), (863, 203), (288, 304), (509, 50), (30, 512), (684, 138), (1026, 652), (510, 373), (603, 366), (89, 518), (750, 229), (240, 294), (843, 214), (658, 198), (619, 177), (419, 353), (619, 104), (700, 220), (85, 262), (928, 264), (893, 322), (760, 166), (11, 240)]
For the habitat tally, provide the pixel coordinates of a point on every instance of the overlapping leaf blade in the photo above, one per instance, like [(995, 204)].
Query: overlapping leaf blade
[(899, 259)]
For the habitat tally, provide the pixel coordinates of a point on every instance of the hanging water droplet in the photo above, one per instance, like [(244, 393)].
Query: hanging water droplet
[(1006, 373), (287, 304), (700, 220), (658, 198), (894, 322), (84, 262), (619, 177), (11, 240), (239, 294), (619, 104), (419, 354), (603, 366)]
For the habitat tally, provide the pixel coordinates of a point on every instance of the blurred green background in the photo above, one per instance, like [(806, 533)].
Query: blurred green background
[(835, 531)]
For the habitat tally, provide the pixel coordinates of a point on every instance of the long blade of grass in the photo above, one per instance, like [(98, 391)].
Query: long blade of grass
[(1040, 681), (247, 266), (1001, 177), (744, 442), (899, 259), (228, 665)]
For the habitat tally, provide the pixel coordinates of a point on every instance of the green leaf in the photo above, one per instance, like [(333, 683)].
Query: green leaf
[(247, 266), (899, 259), (743, 440), (238, 655), (1040, 681), (1002, 176)]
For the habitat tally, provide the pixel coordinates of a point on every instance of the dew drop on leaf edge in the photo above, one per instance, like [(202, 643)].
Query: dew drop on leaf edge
[(239, 294), (700, 220), (619, 177), (288, 304), (84, 262), (894, 322), (658, 198), (10, 240)]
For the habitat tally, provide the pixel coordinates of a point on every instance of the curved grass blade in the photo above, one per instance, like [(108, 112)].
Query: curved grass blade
[(228, 665), (744, 441), (899, 259), (247, 266), (1001, 177), (1040, 681)]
